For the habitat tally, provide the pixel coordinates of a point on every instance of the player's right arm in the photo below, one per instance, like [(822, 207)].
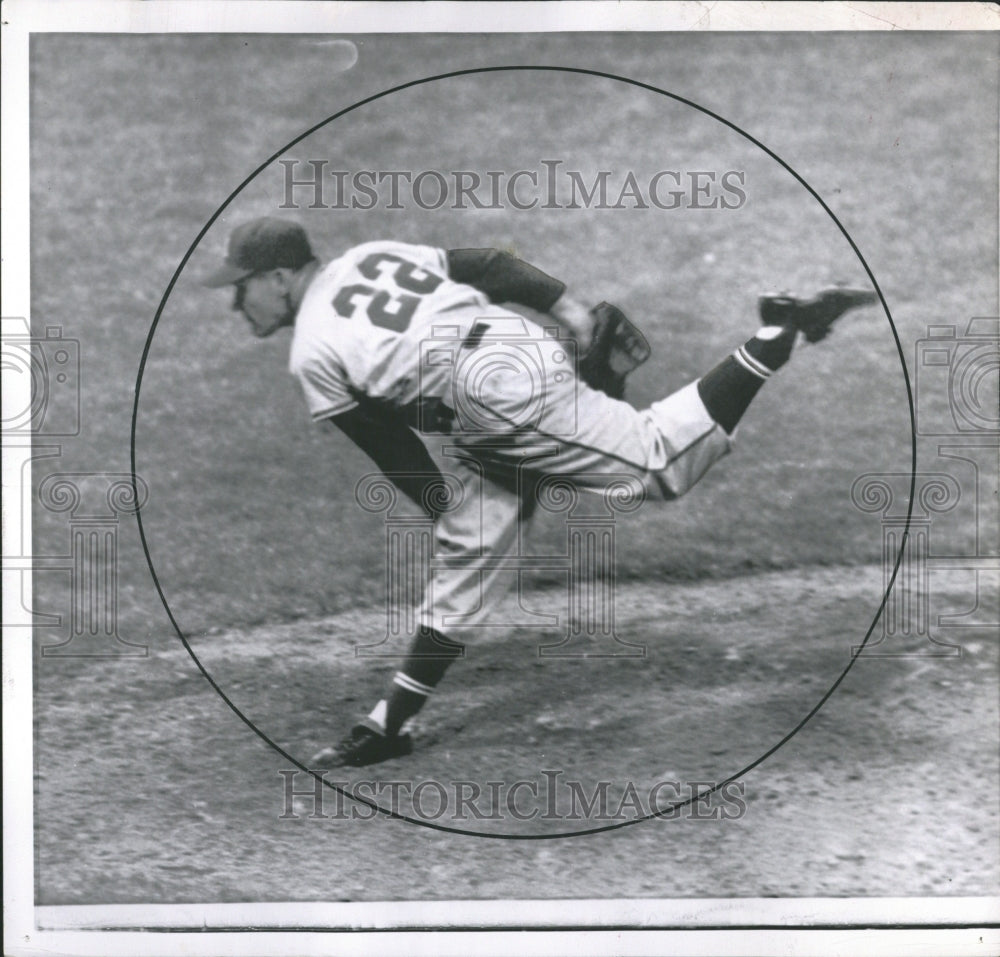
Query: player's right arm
[(389, 442), (505, 278)]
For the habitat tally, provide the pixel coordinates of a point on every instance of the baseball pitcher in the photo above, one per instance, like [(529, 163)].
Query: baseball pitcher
[(392, 341)]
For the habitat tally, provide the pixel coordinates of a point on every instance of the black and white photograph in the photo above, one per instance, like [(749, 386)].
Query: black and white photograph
[(501, 478)]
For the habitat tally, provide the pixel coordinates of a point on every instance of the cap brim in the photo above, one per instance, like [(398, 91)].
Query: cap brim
[(226, 275)]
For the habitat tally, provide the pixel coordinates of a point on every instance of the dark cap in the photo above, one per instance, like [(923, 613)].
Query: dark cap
[(260, 245)]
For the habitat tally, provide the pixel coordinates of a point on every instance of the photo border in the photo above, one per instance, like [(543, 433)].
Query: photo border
[(855, 925)]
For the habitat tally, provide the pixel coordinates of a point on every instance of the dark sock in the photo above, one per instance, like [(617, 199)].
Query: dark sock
[(771, 346), (728, 389), (429, 657)]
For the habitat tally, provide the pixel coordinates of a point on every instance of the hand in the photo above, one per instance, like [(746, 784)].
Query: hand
[(575, 317)]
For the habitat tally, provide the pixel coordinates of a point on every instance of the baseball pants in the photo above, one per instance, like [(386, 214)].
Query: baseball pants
[(574, 432)]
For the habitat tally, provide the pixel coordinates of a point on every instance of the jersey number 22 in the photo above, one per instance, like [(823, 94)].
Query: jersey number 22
[(387, 310)]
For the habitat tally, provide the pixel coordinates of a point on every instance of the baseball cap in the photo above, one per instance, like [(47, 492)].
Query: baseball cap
[(260, 245)]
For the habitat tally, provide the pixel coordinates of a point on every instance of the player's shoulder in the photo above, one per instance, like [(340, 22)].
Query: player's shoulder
[(423, 255), (312, 355)]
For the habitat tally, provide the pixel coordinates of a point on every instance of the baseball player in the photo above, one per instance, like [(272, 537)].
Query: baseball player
[(394, 341)]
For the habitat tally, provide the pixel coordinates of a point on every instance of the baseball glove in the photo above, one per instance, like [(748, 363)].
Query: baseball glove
[(617, 348)]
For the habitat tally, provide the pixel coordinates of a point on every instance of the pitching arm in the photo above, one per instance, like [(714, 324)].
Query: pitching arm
[(390, 443)]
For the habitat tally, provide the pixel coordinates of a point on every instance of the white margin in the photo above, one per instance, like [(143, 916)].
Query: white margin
[(720, 943), (689, 913), (485, 16), (22, 919), (18, 742)]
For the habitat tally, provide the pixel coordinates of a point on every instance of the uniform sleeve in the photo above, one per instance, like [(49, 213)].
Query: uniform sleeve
[(504, 278), (326, 390), (395, 449)]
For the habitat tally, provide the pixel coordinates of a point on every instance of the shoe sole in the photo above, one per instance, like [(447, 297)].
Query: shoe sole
[(330, 758), (813, 317)]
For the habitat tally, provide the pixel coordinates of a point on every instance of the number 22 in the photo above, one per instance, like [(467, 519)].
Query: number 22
[(384, 309)]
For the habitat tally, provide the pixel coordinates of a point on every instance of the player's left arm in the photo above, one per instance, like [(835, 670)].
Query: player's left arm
[(505, 278)]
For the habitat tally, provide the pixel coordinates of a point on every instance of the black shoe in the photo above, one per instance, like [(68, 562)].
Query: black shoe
[(362, 746), (813, 317)]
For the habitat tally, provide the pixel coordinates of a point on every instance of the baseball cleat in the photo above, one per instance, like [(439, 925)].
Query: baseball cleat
[(362, 746), (813, 317)]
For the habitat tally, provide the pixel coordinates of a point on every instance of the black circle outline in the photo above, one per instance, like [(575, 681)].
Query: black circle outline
[(662, 812)]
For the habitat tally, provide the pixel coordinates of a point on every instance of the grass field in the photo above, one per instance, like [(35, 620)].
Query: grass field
[(266, 561)]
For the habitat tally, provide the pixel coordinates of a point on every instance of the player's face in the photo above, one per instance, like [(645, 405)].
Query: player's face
[(263, 299)]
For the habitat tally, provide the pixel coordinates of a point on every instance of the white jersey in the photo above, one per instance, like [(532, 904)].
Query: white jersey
[(368, 318), (385, 322)]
